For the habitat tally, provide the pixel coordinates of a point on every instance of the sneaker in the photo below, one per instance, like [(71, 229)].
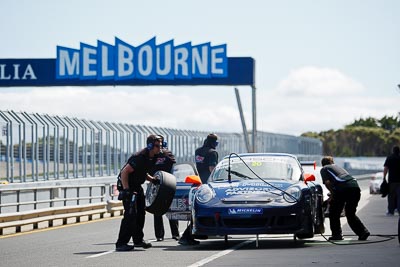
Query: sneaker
[(188, 242), (143, 244), (364, 236), (390, 214), (175, 238), (124, 247), (159, 239), (335, 238)]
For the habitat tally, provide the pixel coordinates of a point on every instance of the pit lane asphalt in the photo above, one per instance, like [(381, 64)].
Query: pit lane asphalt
[(92, 244)]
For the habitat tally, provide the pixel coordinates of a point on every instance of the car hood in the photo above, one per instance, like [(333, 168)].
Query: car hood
[(250, 190)]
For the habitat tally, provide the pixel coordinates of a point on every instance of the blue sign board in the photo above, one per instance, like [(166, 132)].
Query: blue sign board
[(124, 64)]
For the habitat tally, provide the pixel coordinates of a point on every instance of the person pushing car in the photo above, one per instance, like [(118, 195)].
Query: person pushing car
[(345, 193)]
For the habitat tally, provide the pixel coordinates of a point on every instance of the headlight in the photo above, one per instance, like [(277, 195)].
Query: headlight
[(204, 194), (292, 194)]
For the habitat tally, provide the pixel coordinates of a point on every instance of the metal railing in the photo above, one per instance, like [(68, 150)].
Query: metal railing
[(36, 147), (36, 198)]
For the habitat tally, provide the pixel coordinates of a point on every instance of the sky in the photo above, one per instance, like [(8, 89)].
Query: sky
[(319, 64)]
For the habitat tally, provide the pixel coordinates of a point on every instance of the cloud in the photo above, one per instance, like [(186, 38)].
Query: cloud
[(146, 106), (318, 82), (308, 99), (318, 99)]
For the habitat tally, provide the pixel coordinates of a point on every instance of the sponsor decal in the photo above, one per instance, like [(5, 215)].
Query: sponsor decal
[(248, 187), (262, 184), (246, 190), (179, 204), (240, 211), (199, 159), (160, 161)]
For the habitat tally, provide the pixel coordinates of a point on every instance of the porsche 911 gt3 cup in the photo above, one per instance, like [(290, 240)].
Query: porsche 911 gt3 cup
[(258, 193)]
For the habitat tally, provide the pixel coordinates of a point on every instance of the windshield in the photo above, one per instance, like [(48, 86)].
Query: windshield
[(266, 167), (180, 171)]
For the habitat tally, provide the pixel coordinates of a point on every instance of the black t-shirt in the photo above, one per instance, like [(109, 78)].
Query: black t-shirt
[(393, 164), (142, 164), (205, 157), (338, 177), (163, 162)]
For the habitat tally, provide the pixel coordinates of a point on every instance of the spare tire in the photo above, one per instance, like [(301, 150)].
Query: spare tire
[(159, 196)]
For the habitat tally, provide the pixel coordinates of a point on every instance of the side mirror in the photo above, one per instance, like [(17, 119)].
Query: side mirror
[(193, 179), (309, 177)]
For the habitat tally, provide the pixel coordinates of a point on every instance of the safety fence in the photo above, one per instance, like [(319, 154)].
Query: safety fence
[(30, 206), (39, 147), (49, 204)]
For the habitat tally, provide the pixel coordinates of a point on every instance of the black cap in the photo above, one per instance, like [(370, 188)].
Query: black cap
[(152, 138)]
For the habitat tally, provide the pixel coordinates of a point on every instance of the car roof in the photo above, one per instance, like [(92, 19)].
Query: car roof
[(260, 155)]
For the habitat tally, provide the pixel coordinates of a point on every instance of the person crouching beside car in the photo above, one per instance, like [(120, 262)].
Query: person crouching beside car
[(345, 193)]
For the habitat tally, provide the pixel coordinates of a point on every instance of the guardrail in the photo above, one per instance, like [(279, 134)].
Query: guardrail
[(29, 220), (33, 198), (12, 223), (30, 208)]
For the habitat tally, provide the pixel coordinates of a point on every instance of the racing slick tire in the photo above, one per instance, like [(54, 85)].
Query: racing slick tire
[(159, 196), (308, 226), (319, 227), (398, 230), (309, 233)]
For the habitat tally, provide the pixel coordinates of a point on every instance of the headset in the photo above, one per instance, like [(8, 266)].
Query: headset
[(153, 138), (211, 140)]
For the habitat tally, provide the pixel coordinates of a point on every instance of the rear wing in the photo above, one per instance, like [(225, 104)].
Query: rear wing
[(309, 163)]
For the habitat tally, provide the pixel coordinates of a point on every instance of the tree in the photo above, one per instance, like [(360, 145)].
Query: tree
[(363, 137), (368, 122), (389, 123)]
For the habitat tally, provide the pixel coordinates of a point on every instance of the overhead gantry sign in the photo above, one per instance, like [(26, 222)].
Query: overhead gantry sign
[(144, 65), (124, 64)]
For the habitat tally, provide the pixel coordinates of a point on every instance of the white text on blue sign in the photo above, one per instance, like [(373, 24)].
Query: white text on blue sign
[(148, 61)]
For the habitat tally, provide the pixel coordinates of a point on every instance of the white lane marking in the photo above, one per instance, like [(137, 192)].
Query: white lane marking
[(365, 197), (220, 254), (111, 251), (100, 254)]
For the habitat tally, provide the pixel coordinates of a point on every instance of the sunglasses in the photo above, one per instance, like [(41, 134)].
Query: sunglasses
[(157, 145)]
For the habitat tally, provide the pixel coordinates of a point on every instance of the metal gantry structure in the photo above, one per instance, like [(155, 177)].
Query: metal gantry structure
[(40, 147)]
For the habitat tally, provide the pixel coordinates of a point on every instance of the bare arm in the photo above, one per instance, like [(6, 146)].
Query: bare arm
[(385, 171), (211, 168), (328, 185)]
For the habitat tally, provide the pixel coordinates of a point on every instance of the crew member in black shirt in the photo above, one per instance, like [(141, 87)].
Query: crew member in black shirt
[(345, 193), (137, 169), (392, 166), (165, 163), (206, 157)]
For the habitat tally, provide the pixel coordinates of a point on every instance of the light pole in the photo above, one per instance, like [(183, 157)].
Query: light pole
[(398, 89)]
